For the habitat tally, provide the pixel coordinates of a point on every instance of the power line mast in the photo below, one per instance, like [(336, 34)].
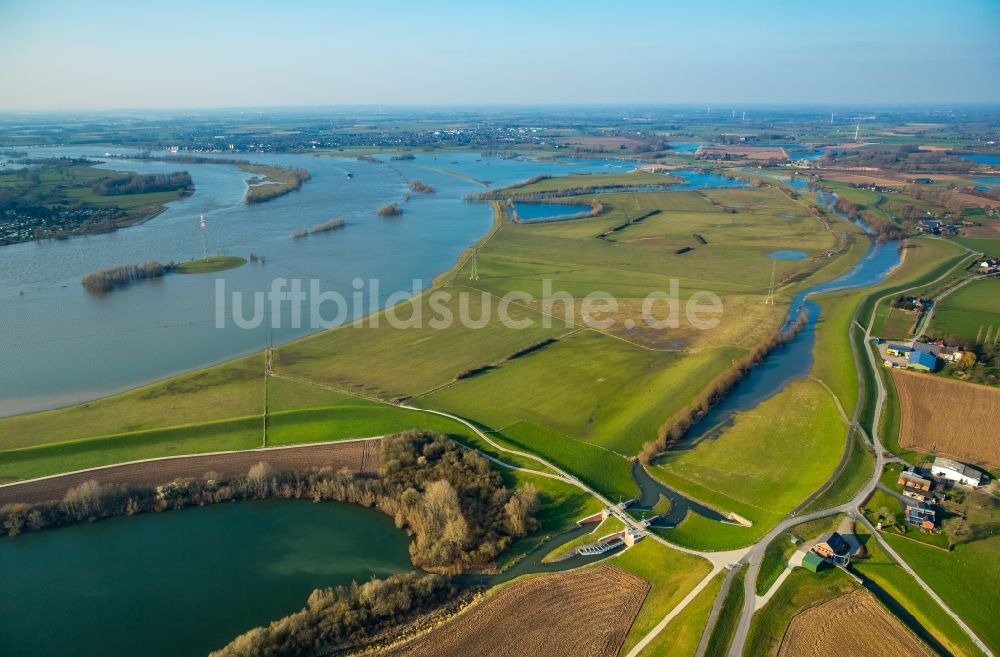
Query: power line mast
[(474, 271), (204, 245), (769, 300), (857, 131)]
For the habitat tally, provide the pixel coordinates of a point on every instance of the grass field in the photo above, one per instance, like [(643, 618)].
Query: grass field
[(857, 471), (729, 616), (589, 181), (210, 264), (970, 566), (671, 574), (588, 386), (756, 467), (970, 312), (681, 636), (607, 472)]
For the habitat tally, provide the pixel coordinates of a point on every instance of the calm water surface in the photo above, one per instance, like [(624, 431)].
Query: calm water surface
[(183, 583)]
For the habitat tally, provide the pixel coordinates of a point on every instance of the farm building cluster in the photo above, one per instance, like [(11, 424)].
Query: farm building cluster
[(918, 487), (920, 356), (989, 266)]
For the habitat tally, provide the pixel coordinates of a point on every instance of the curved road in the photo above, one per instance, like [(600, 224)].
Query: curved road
[(756, 553)]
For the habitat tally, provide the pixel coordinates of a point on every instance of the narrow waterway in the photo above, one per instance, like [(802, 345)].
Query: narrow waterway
[(792, 360)]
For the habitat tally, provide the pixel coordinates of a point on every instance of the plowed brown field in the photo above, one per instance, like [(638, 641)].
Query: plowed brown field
[(850, 624), (575, 614), (359, 456), (950, 418)]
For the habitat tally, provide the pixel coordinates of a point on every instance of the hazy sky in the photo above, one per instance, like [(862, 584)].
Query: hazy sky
[(150, 54)]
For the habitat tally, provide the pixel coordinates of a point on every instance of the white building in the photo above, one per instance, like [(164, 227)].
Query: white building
[(955, 471)]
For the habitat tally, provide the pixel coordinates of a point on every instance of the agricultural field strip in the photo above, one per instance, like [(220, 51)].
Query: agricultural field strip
[(28, 483), (755, 553)]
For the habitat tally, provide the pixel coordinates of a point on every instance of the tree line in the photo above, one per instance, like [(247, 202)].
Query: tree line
[(458, 510), (140, 183), (674, 429)]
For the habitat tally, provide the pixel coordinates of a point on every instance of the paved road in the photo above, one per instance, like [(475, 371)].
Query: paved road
[(756, 553)]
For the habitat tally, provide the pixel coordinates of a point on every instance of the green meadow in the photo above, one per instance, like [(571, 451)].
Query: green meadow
[(761, 467), (969, 312)]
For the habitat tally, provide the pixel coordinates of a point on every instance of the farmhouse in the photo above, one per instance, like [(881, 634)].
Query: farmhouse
[(913, 480), (922, 361), (923, 516), (813, 562), (955, 471), (927, 498), (831, 545), (898, 350)]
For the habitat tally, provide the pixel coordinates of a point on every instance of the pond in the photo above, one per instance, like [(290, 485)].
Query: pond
[(787, 255), (982, 158), (533, 212), (183, 583)]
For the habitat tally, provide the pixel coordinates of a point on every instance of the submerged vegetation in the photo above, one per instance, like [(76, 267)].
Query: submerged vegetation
[(324, 227), (272, 182), (108, 279), (417, 186), (391, 210)]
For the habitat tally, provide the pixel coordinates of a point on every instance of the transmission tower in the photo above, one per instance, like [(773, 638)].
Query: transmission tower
[(474, 271), (769, 301)]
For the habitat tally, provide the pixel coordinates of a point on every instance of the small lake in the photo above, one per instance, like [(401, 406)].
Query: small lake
[(529, 212), (787, 255), (982, 158), (183, 583)]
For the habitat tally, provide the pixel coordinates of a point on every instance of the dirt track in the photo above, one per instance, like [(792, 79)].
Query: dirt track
[(575, 614), (850, 624), (359, 456)]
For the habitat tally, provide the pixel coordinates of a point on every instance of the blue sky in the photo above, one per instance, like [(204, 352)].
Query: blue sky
[(98, 55)]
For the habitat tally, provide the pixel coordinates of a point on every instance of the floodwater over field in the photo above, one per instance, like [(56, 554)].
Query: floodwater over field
[(64, 345), (532, 212), (183, 583)]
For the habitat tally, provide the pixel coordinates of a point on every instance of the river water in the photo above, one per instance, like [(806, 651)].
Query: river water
[(183, 583), (63, 345)]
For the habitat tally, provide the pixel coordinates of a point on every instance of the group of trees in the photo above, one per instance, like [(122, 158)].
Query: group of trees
[(340, 618), (674, 429), (459, 511), (106, 280), (139, 183), (881, 229)]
